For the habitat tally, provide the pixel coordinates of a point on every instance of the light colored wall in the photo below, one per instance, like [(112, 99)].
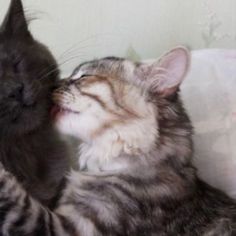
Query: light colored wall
[(78, 30)]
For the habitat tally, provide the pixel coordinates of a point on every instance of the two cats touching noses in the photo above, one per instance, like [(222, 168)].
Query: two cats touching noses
[(135, 174)]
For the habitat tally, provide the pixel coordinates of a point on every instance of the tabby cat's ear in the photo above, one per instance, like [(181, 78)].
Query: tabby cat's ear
[(15, 23), (165, 75)]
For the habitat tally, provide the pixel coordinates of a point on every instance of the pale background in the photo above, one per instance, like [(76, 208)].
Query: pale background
[(136, 28), (78, 30)]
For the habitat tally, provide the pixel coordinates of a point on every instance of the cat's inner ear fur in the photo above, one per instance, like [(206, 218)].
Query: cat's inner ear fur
[(15, 23), (165, 75)]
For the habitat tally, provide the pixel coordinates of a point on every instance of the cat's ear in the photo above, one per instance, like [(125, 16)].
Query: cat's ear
[(15, 23), (165, 75)]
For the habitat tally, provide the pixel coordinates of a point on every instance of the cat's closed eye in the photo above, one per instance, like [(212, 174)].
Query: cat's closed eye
[(83, 76), (78, 79)]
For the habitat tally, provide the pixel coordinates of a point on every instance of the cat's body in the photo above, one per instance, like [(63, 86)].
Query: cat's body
[(38, 162), (30, 147), (136, 176)]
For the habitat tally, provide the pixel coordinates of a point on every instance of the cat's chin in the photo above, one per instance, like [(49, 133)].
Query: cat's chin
[(55, 111)]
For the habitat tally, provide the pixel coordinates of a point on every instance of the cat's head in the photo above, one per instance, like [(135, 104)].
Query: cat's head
[(28, 73), (137, 101)]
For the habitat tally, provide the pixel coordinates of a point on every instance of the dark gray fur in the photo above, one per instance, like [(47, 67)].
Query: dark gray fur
[(30, 147)]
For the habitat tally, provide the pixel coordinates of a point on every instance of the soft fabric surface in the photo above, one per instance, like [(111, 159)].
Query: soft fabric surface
[(209, 93)]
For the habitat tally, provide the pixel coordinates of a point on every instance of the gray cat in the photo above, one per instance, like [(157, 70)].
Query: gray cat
[(136, 177), (30, 147)]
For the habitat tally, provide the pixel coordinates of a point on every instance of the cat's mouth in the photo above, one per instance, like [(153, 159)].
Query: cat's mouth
[(58, 110)]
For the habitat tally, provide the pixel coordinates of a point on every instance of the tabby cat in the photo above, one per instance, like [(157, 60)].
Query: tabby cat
[(136, 177), (30, 148)]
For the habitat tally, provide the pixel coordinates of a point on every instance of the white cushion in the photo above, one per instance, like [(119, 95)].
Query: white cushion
[(209, 93)]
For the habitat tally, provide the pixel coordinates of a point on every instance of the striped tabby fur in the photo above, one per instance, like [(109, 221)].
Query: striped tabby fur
[(136, 177)]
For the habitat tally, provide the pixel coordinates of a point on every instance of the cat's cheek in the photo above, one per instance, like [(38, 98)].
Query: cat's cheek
[(79, 126)]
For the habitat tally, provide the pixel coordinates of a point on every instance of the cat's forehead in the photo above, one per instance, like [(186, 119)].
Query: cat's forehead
[(109, 66)]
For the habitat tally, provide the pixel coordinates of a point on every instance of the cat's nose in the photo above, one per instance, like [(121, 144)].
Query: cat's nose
[(16, 91)]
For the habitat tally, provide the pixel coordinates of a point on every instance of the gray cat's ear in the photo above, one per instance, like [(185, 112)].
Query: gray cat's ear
[(15, 22), (165, 75)]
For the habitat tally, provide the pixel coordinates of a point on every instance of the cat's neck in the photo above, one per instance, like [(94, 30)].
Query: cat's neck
[(107, 151), (119, 149)]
